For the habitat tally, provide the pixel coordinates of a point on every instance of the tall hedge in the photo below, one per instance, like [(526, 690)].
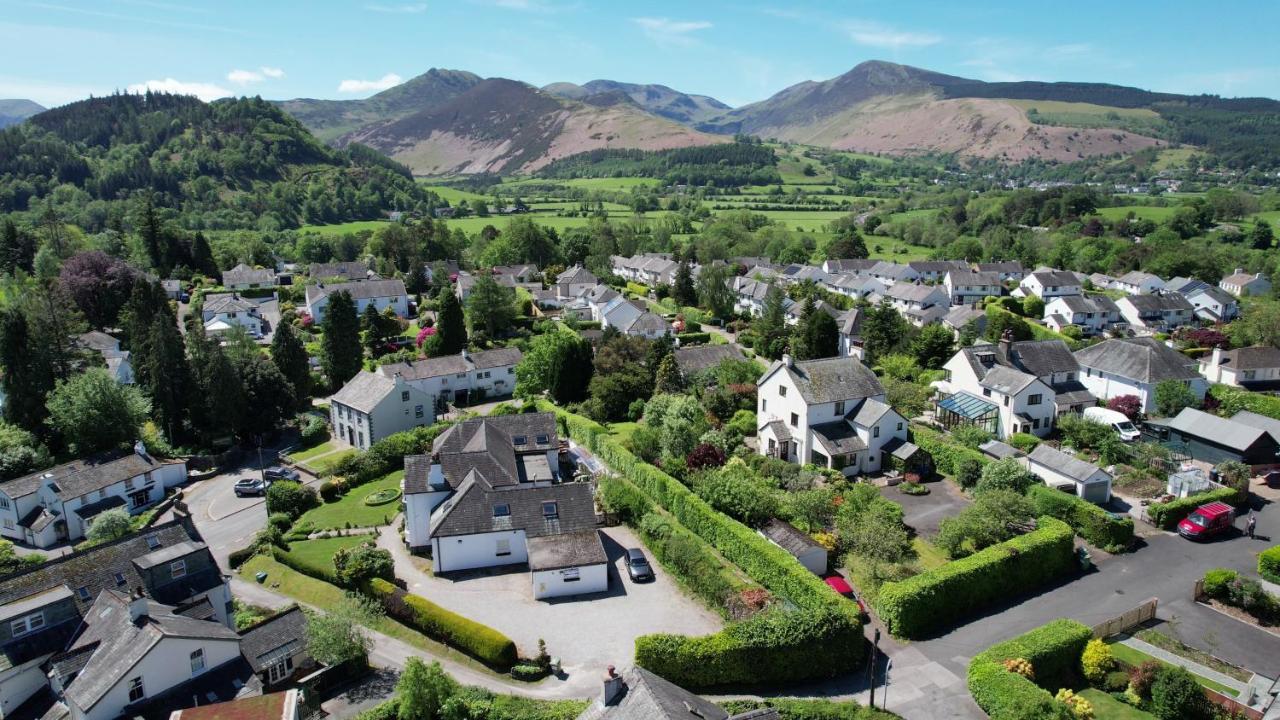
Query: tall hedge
[(936, 598), (1054, 653), (1269, 564), (479, 641), (386, 455), (822, 639), (946, 454), (1167, 515), (1095, 525)]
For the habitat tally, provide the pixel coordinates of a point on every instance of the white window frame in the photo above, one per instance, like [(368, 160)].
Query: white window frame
[(136, 690), (178, 568), (27, 624), (197, 661), (570, 575), (502, 547), (280, 671)]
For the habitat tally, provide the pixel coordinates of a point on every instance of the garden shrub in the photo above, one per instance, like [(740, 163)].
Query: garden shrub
[(1026, 442), (1167, 515), (355, 565), (479, 641), (1097, 526), (1269, 564), (693, 338), (386, 455), (808, 709), (241, 556), (1176, 695), (528, 672), (1097, 661), (328, 491), (291, 498), (935, 598), (1217, 580), (1053, 650), (280, 521), (690, 559), (314, 430), (947, 455), (1080, 708), (623, 499)]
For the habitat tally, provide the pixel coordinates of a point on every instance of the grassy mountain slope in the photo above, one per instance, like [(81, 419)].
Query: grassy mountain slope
[(228, 164), (657, 99), (885, 107), (507, 126), (329, 119), (15, 111)]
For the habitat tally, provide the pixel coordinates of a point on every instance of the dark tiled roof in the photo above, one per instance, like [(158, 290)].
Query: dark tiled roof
[(788, 537), (364, 391), (1143, 359), (1056, 278), (831, 379), (1262, 422), (97, 340), (471, 510), (96, 568), (999, 450), (266, 642), (649, 697), (697, 358), (1063, 463), (348, 270), (1156, 303), (242, 274), (778, 428), (1252, 358), (81, 477), (838, 438), (1007, 266), (566, 550), (1042, 357), (1220, 431), (453, 364), (358, 290), (937, 266), (94, 509), (489, 445)]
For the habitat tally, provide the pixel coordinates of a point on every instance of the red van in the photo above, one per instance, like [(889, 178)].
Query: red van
[(1207, 521)]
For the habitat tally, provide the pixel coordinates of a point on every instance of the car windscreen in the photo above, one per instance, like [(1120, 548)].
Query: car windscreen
[(1197, 519), (1125, 427)]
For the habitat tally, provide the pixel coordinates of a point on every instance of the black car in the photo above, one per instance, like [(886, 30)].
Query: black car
[(638, 566), (281, 473)]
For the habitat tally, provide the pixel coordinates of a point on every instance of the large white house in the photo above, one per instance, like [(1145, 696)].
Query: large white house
[(372, 406), (1243, 284), (1008, 270), (1049, 284), (490, 495), (58, 504), (967, 287), (382, 294), (1134, 366), (460, 378), (631, 319), (1156, 313), (574, 282), (1093, 314), (919, 304), (1137, 282), (223, 312), (829, 412), (646, 269), (992, 387), (1252, 368)]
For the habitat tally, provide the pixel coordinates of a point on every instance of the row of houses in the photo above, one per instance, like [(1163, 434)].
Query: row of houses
[(136, 627)]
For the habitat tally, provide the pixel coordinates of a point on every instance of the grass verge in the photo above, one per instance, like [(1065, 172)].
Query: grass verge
[(1133, 656)]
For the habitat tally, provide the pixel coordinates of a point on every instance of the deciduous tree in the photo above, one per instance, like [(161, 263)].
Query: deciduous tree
[(490, 307), (92, 412)]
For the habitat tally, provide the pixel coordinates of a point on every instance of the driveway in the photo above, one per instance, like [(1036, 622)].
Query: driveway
[(925, 512), (587, 633)]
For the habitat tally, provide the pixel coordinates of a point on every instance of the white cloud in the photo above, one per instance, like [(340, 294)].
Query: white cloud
[(667, 32), (204, 91), (879, 35), (401, 9), (389, 80), (248, 77)]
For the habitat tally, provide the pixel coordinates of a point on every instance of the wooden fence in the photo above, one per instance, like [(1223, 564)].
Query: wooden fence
[(1127, 621)]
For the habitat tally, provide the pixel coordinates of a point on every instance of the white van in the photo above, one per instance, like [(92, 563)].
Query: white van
[(1115, 420)]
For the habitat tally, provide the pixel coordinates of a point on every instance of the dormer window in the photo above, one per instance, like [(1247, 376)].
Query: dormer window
[(502, 510), (520, 440), (28, 624), (543, 439), (177, 569), (550, 510)]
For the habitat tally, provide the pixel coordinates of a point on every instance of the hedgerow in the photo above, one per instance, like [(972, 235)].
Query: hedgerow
[(1053, 650), (1095, 525), (946, 454), (1167, 515), (935, 598), (479, 641), (1269, 564)]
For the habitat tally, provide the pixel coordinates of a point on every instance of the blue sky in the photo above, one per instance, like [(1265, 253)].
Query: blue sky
[(55, 51)]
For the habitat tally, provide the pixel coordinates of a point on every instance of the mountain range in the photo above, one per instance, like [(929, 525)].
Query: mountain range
[(15, 111)]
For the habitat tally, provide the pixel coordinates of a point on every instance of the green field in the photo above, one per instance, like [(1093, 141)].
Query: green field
[(342, 228), (453, 195), (1147, 212), (350, 508)]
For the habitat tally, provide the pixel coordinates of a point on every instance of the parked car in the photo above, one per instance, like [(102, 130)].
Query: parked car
[(281, 473), (1207, 521), (638, 565), (841, 586), (251, 486), (1117, 421)]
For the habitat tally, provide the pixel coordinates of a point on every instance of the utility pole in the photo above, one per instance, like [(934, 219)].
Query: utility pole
[(262, 470), (875, 653)]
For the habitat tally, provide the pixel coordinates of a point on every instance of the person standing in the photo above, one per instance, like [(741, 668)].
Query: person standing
[(1251, 525)]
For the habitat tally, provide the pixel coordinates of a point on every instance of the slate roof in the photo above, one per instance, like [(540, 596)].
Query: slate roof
[(1055, 278), (1143, 359), (830, 379), (348, 270), (453, 364), (778, 428), (851, 322), (489, 445), (696, 358), (1220, 431), (868, 412), (576, 274), (96, 568), (850, 265), (891, 270), (911, 292), (1252, 358), (650, 697), (1241, 279), (122, 642), (937, 266), (1088, 303), (566, 550), (93, 509), (1185, 285), (788, 537), (1007, 266), (243, 274), (839, 438), (969, 278), (1062, 463), (358, 290), (648, 323), (97, 340), (1006, 380), (1156, 303), (961, 315), (364, 391), (417, 475), (81, 477), (1042, 357), (999, 450), (470, 510), (271, 640), (1136, 277), (228, 303)]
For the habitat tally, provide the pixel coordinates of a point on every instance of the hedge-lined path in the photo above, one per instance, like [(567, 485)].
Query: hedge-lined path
[(587, 633)]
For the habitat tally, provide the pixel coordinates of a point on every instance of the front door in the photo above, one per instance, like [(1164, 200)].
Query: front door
[(138, 499)]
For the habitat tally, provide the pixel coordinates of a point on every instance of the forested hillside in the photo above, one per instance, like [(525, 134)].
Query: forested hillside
[(728, 165), (223, 165)]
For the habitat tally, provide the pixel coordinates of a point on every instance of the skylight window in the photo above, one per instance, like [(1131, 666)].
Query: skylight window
[(502, 510), (550, 510)]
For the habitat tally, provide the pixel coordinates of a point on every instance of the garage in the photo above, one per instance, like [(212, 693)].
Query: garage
[(568, 564)]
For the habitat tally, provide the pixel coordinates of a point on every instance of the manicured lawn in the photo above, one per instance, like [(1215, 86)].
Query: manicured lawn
[(623, 430), (930, 556), (1137, 657), (304, 455), (321, 464), (350, 508), (320, 594), (1106, 707), (319, 553)]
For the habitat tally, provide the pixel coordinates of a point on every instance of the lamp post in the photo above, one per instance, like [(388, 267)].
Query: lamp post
[(875, 653), (262, 470)]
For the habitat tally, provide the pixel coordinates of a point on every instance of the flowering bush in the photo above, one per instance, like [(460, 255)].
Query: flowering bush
[(1128, 405), (425, 333), (1080, 708), (1020, 666)]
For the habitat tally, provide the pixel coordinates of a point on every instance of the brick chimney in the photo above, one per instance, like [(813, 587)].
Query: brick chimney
[(614, 687)]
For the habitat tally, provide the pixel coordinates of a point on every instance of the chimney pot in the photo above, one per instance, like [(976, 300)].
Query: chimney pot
[(137, 604), (786, 359), (613, 687)]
